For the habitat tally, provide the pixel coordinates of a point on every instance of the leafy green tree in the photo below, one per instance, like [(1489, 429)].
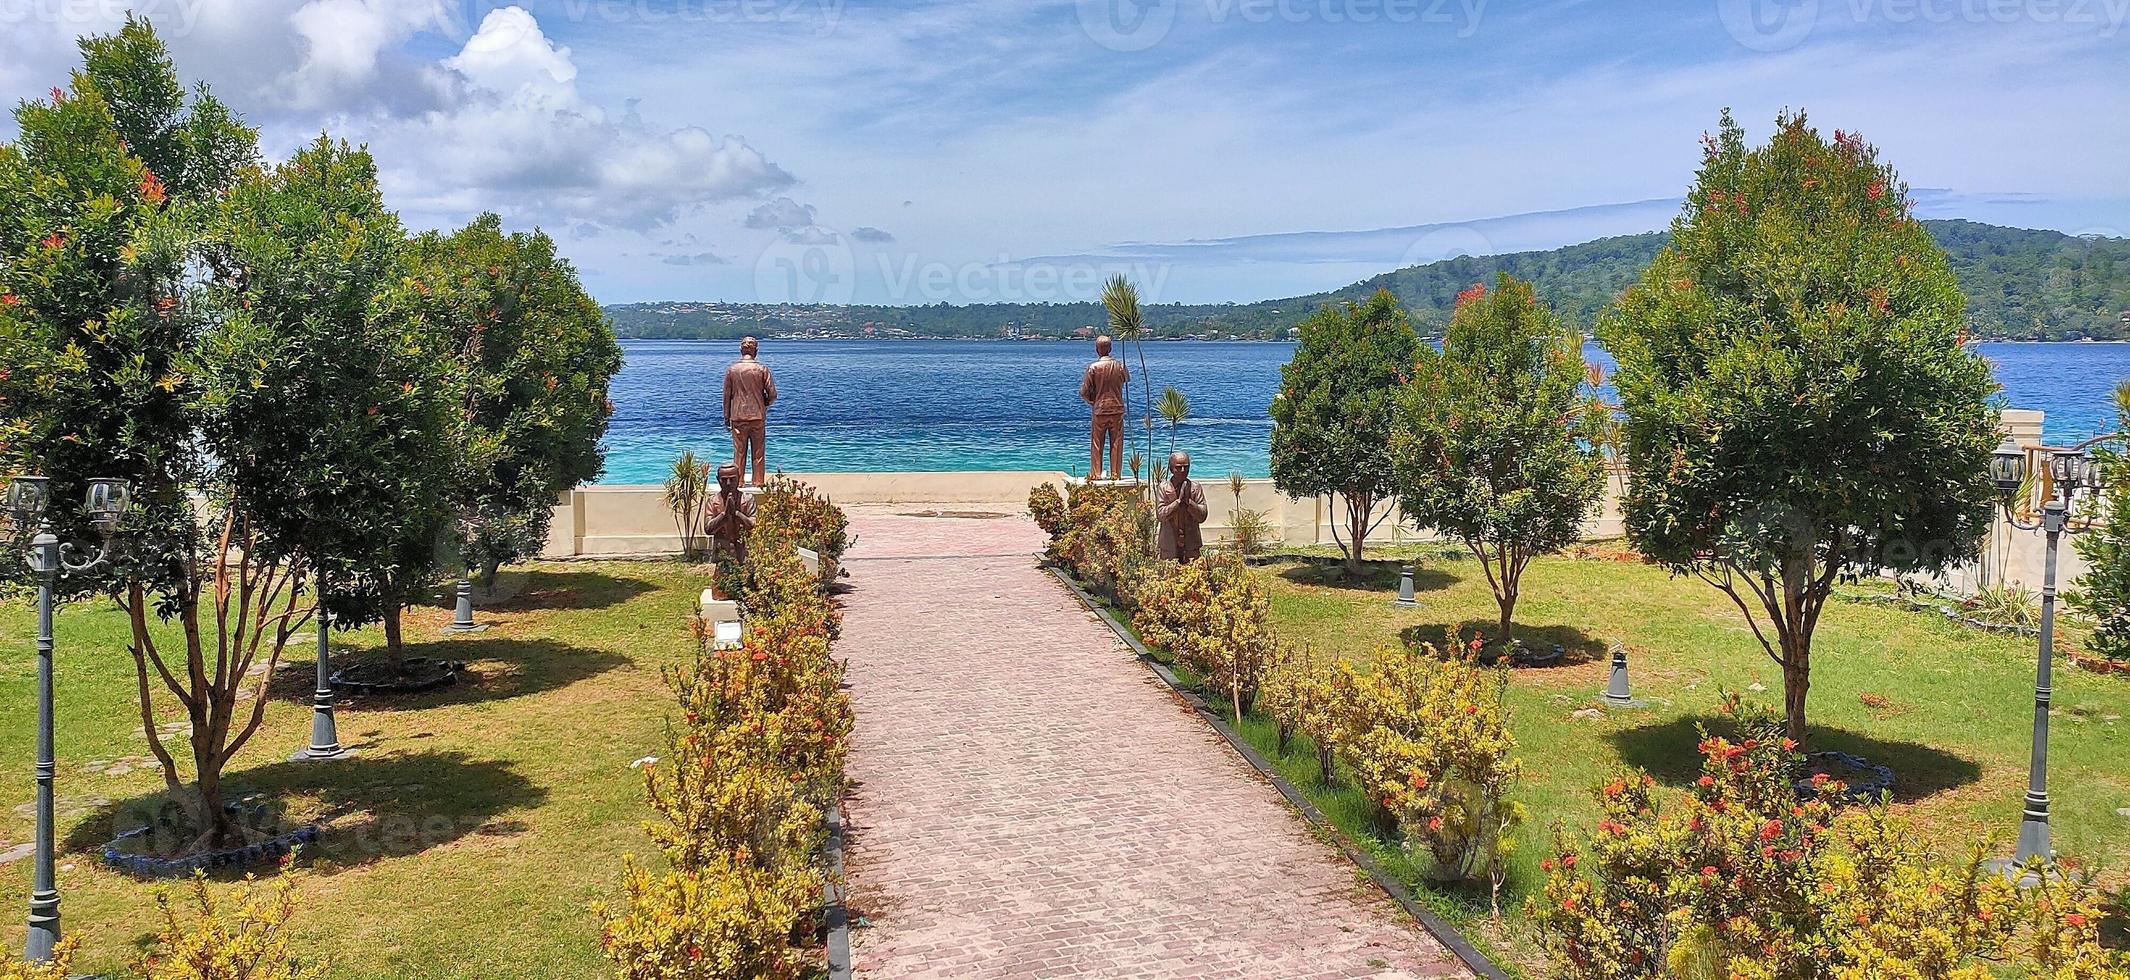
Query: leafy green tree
[(2104, 592), (1800, 403), (534, 355), (215, 343), (1333, 417), (1497, 443)]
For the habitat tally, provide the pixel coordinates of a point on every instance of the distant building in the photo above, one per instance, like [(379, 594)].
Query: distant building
[(1294, 333)]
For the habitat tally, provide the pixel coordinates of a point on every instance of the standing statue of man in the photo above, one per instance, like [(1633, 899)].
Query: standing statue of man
[(749, 391), (1180, 506), (730, 518), (1102, 388)]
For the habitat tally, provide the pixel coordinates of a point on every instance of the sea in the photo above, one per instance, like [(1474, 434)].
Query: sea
[(926, 405)]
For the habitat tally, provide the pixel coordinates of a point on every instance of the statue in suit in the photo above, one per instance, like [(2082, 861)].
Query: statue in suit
[(1102, 388)]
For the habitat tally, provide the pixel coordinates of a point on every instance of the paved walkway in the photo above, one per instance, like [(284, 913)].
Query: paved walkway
[(1031, 802)]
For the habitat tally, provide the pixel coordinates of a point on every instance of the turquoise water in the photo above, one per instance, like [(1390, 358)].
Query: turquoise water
[(987, 405)]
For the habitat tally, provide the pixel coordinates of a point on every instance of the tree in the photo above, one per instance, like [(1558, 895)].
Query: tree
[(2104, 592), (535, 355), (1800, 403), (1497, 442), (687, 492), (215, 344), (1333, 416)]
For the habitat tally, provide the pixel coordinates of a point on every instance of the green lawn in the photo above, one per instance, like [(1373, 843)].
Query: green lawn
[(1950, 708), (470, 832)]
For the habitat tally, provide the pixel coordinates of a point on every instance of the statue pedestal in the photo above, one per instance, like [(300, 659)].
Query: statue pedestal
[(1124, 482)]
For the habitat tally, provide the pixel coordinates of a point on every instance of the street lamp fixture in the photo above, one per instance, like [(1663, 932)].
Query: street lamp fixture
[(28, 498), (2070, 470)]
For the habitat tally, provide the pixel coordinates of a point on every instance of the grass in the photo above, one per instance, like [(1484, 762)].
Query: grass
[(470, 831), (1949, 708)]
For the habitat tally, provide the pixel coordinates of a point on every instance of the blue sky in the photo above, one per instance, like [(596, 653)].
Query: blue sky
[(967, 151)]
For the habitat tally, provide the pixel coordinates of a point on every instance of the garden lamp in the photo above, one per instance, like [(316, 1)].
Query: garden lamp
[(2007, 467), (27, 497), (108, 499)]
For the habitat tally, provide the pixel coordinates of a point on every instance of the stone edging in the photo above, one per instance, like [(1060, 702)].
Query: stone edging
[(1443, 932), (838, 917)]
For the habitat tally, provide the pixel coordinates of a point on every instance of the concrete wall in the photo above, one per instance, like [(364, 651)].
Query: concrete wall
[(633, 520)]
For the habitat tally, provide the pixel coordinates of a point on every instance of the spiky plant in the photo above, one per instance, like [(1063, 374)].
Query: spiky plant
[(1175, 408)]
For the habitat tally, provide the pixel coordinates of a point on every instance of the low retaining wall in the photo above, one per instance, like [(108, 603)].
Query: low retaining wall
[(616, 521)]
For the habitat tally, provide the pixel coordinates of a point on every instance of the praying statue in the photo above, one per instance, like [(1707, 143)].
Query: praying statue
[(1102, 388), (749, 391), (1180, 506), (730, 518)]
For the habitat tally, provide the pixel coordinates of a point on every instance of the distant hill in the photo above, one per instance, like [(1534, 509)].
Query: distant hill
[(2020, 284)]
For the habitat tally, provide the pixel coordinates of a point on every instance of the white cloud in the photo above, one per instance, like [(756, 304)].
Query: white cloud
[(781, 213)]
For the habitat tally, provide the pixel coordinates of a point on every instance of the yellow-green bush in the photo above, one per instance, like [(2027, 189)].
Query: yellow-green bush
[(1300, 693), (812, 521), (726, 921), (54, 969), (1047, 506), (1106, 539), (1428, 741), (239, 937), (1745, 879), (1215, 616), (749, 771)]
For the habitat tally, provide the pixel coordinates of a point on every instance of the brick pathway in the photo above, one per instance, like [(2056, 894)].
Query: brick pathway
[(1031, 802)]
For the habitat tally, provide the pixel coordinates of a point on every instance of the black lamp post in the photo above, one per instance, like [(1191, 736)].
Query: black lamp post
[(2069, 470), (27, 499)]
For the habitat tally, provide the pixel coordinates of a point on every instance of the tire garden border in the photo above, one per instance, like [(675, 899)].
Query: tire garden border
[(1443, 932)]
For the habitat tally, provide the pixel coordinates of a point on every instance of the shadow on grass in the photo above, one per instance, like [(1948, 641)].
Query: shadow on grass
[(544, 589), (375, 807), (497, 669), (1376, 576), (1577, 647), (1667, 751)]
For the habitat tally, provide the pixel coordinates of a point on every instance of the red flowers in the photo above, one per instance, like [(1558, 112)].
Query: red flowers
[(1877, 190), (151, 188), (2076, 920), (54, 241), (10, 299), (1477, 291), (1771, 830), (1706, 782)]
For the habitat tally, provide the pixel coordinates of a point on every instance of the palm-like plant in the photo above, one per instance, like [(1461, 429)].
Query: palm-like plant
[(1175, 408), (686, 491), (1121, 299)]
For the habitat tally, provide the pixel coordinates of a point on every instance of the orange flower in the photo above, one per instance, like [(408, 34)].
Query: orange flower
[(55, 240), (151, 188), (10, 299)]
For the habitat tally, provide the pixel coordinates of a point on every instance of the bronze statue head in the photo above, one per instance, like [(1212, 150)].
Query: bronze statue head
[(749, 347), (1179, 467), (728, 479), (1102, 346)]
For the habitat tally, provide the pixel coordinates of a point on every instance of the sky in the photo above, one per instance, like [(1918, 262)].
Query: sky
[(1214, 150)]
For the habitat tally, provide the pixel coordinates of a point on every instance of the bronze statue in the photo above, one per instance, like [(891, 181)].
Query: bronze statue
[(730, 518), (749, 391), (1102, 388), (1180, 506)]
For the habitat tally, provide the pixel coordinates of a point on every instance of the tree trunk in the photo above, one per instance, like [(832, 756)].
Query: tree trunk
[(216, 827), (1326, 763), (1357, 511), (395, 646), (1508, 616), (1796, 683), (1286, 737)]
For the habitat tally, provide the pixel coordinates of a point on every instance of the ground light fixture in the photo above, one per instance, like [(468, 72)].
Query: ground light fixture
[(28, 501)]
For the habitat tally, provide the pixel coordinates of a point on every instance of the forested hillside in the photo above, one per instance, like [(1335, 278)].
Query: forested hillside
[(2020, 284)]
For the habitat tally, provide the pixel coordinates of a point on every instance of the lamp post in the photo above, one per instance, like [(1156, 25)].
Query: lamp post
[(27, 499), (325, 735), (2069, 469)]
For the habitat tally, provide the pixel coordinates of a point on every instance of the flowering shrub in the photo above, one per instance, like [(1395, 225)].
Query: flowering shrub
[(244, 937), (1107, 539), (2064, 917), (1428, 742), (1215, 615), (742, 791), (727, 921), (1047, 506), (1744, 879), (809, 519), (53, 969), (1300, 693)]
